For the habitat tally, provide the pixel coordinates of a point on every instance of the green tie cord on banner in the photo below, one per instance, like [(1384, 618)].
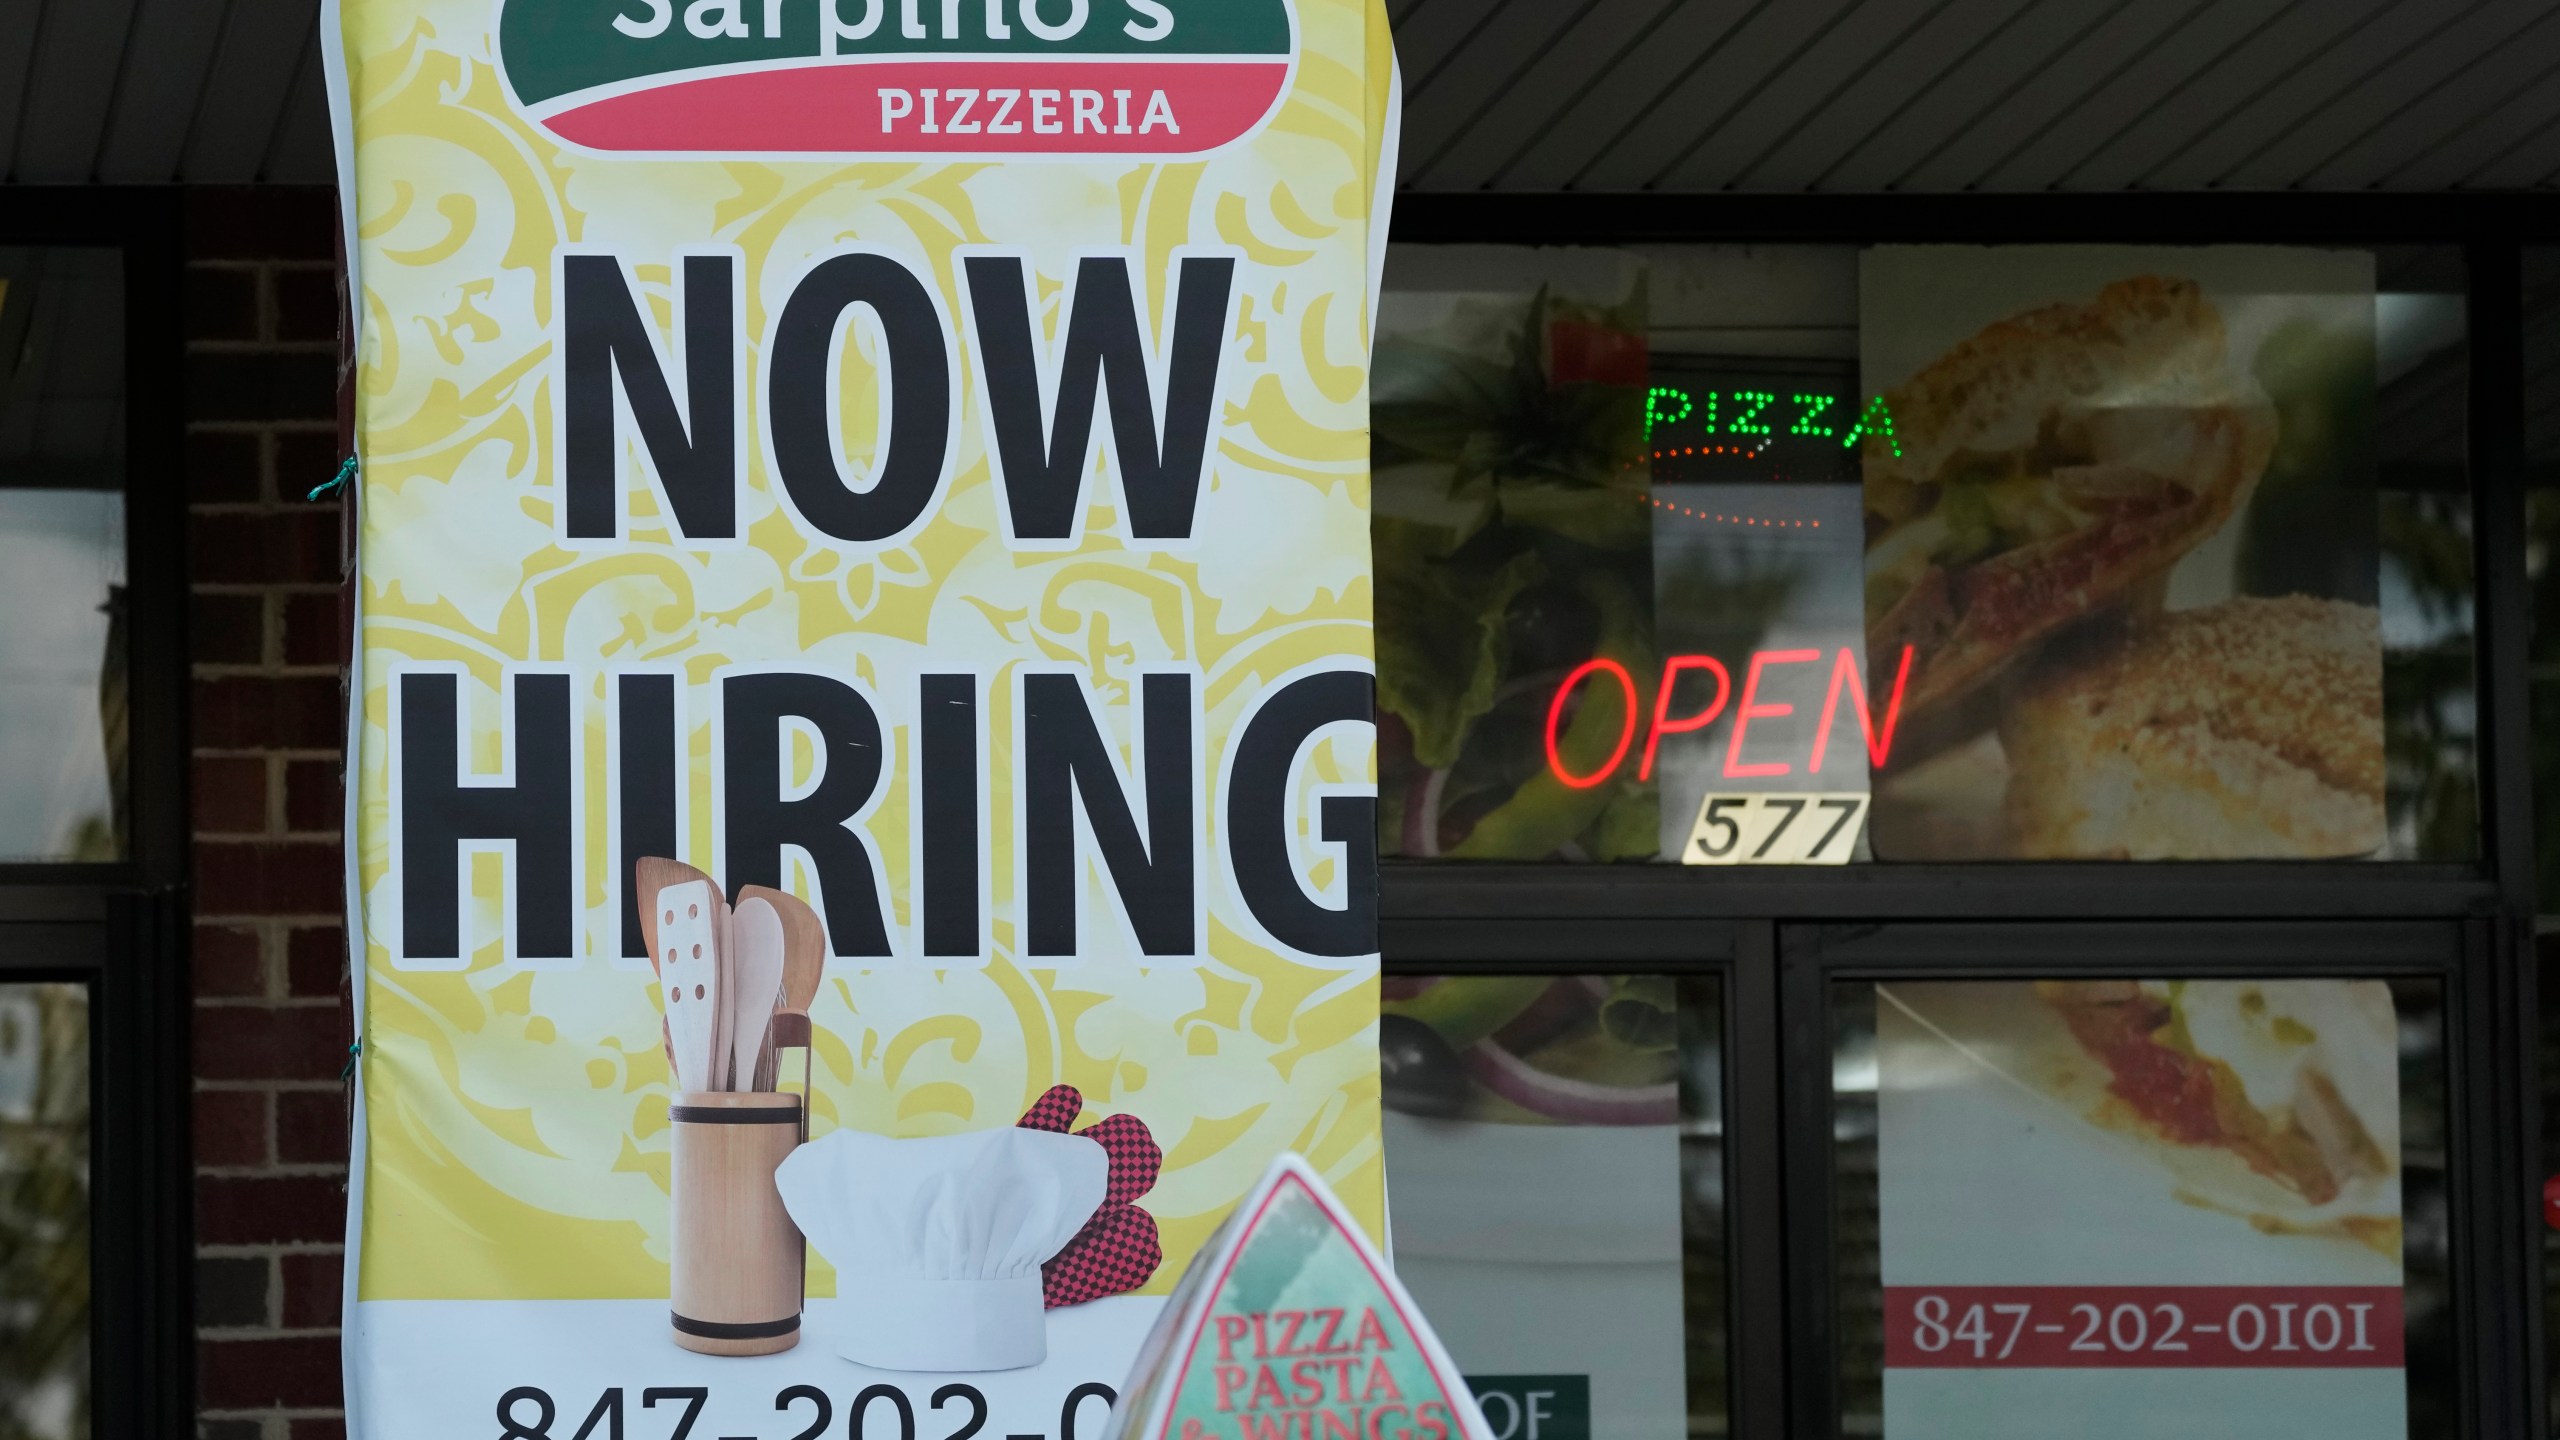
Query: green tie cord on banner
[(346, 472)]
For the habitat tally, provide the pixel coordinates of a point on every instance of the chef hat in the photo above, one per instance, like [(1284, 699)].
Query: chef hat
[(938, 1242)]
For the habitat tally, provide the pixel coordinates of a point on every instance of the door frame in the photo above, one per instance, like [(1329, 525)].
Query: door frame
[(122, 928), (1816, 958)]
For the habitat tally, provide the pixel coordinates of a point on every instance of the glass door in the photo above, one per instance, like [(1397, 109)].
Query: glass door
[(1557, 1157), (2126, 1180)]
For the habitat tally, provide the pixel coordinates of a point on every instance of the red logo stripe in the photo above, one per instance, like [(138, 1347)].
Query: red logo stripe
[(1011, 108)]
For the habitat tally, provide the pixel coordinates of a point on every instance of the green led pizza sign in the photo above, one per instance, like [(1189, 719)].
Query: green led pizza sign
[(978, 78), (1766, 416)]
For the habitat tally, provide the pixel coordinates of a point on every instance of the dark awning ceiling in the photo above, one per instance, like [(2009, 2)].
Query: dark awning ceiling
[(1675, 95), (1945, 95)]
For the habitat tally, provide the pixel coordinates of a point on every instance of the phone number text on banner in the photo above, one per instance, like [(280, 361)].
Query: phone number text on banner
[(2122, 1327)]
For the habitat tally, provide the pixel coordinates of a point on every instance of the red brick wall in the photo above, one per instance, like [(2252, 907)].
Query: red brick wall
[(271, 1024)]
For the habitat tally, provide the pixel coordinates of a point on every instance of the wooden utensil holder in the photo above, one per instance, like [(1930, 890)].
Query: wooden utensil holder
[(740, 1264)]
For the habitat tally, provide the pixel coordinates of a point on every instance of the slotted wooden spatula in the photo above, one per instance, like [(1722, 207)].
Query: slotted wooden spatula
[(687, 947), (651, 875)]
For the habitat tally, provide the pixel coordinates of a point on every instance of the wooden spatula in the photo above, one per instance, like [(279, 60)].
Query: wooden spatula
[(754, 960), (651, 875), (687, 947), (804, 958)]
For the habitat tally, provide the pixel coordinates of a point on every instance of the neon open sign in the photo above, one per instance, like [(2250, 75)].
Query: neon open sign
[(1767, 416), (1845, 681)]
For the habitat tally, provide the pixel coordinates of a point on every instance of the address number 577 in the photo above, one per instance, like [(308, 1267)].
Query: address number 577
[(1775, 830)]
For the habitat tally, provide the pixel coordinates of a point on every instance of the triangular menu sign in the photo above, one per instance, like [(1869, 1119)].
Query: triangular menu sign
[(1289, 1326)]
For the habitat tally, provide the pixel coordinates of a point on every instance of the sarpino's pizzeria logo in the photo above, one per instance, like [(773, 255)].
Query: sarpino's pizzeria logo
[(898, 77)]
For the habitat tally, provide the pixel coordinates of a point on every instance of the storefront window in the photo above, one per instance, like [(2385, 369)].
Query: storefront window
[(2173, 1204), (62, 548), (1812, 554), (1555, 1177), (2542, 547), (44, 1211), (2541, 321)]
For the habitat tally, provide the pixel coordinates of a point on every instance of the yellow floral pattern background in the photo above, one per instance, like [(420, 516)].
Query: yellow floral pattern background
[(516, 1115)]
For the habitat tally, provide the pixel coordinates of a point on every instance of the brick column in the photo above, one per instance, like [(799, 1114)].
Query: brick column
[(271, 1020)]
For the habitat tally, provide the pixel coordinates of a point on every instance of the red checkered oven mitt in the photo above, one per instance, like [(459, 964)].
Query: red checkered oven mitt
[(1118, 1249)]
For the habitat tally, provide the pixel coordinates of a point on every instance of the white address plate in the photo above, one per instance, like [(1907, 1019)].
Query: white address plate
[(1762, 829)]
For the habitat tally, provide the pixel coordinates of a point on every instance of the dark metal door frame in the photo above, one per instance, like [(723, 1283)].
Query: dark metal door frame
[(1815, 958), (121, 929)]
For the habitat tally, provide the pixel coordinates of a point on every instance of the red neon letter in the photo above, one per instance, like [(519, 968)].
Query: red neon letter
[(1750, 711), (1662, 704), (1555, 720), (1844, 675)]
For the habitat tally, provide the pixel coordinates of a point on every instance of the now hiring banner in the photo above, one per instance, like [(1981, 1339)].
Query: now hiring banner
[(862, 798)]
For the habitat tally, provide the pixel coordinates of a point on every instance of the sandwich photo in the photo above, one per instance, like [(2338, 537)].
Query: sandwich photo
[(2122, 523), (2244, 729), (2048, 469)]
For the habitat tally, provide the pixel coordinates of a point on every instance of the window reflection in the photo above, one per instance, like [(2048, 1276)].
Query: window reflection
[(2423, 362), (2541, 322), (44, 1212), (62, 701), (63, 711)]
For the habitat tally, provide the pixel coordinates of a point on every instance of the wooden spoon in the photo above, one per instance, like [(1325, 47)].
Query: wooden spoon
[(753, 960), (804, 958)]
